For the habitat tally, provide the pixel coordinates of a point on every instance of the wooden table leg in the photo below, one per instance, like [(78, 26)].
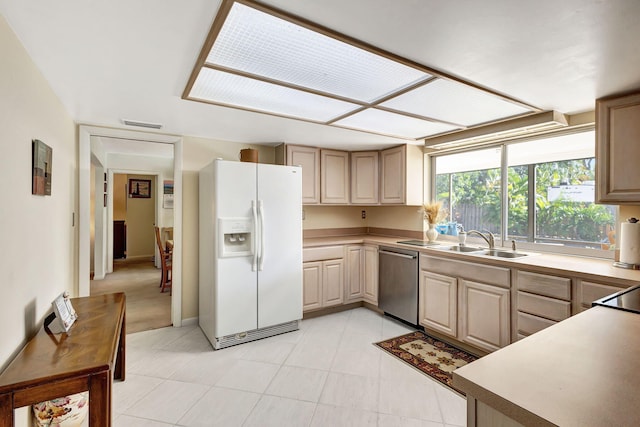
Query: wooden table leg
[(120, 355), (6, 410), (100, 399)]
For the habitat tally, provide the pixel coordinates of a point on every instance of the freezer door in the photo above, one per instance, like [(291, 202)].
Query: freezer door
[(280, 260), (235, 291)]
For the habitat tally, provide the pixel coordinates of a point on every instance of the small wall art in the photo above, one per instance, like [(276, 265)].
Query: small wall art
[(167, 197), (41, 168), (139, 188)]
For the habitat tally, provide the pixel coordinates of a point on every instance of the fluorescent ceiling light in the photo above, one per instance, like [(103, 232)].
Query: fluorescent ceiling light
[(456, 103), (265, 60), (387, 123), (508, 129), (262, 44), (233, 90)]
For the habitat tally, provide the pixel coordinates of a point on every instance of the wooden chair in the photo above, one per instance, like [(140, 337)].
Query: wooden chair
[(165, 260)]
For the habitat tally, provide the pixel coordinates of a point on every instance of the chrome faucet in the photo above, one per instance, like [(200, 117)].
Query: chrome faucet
[(489, 238)]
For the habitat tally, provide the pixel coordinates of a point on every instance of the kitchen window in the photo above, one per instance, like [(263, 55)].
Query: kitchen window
[(538, 192)]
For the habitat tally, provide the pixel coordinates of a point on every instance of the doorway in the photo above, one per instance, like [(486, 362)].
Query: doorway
[(89, 141)]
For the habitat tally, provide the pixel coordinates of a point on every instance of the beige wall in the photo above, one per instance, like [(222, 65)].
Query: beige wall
[(320, 217), (396, 217), (119, 197), (39, 249), (140, 219)]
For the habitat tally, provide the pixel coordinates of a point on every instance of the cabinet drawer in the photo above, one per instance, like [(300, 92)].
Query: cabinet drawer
[(542, 306), (322, 253), (589, 292), (529, 324), (542, 284), (477, 272)]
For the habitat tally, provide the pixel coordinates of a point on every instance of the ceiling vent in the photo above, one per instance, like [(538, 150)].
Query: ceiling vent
[(142, 124), (500, 131)]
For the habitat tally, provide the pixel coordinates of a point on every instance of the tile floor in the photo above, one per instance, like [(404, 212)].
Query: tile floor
[(326, 374)]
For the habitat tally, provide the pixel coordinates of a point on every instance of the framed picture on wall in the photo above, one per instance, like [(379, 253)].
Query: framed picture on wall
[(139, 188), (40, 168)]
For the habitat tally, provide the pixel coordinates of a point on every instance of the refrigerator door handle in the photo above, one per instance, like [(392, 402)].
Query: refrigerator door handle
[(254, 264), (261, 218)]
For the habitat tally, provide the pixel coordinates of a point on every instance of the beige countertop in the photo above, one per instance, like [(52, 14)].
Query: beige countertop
[(597, 269), (582, 371)]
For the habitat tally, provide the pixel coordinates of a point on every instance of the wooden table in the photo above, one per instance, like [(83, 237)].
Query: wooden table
[(88, 357)]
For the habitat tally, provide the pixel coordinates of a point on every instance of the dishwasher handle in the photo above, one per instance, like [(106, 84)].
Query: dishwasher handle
[(382, 251)]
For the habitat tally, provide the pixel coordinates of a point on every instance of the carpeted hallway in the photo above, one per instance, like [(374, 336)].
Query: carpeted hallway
[(147, 308)]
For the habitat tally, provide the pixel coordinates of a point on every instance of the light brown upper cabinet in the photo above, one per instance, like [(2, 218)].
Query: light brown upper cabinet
[(618, 149), (364, 177), (334, 177), (309, 159), (402, 180)]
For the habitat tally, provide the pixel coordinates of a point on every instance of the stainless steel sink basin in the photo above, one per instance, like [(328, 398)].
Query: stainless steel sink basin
[(459, 248), (502, 254)]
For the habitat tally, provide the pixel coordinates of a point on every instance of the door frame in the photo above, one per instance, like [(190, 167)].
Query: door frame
[(85, 133)]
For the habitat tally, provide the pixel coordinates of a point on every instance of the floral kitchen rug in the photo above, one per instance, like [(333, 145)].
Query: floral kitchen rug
[(429, 355)]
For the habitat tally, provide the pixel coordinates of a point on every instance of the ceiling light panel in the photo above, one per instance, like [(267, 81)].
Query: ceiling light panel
[(230, 89), (388, 123), (454, 102), (262, 44)]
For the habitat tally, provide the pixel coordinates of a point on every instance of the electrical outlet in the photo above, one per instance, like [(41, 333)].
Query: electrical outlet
[(364, 214)]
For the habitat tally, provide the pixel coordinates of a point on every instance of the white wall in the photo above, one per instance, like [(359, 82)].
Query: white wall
[(39, 253)]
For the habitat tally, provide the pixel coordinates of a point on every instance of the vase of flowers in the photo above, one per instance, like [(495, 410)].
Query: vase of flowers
[(433, 213)]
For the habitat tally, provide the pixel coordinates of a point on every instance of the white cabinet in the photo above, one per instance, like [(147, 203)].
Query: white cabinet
[(617, 149), (362, 274), (401, 175), (371, 274), (484, 315), (334, 177), (364, 177), (438, 302)]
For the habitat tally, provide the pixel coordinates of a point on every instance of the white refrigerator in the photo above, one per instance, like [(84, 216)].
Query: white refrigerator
[(250, 260)]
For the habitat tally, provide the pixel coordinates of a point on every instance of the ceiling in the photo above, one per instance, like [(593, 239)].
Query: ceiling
[(115, 60)]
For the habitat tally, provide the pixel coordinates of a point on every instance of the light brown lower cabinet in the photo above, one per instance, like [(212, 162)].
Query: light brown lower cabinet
[(472, 312), (484, 319), (323, 283), (371, 274), (438, 302), (362, 274)]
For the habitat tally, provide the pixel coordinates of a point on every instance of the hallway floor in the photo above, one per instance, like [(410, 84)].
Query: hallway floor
[(328, 373), (147, 307)]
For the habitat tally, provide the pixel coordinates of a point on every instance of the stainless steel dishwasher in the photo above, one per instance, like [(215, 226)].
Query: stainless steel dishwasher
[(398, 283)]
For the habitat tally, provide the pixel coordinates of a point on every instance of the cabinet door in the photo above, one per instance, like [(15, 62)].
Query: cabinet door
[(483, 315), (371, 274), (355, 274), (364, 177), (438, 302), (332, 282), (334, 177), (309, 159), (312, 284), (393, 175), (617, 149)]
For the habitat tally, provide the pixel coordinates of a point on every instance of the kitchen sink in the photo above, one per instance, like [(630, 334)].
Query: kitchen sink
[(502, 254), (459, 248)]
